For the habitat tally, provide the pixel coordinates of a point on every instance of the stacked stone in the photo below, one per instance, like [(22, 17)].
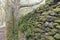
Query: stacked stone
[(42, 26)]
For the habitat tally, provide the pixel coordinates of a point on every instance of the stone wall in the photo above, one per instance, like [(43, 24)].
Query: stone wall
[(42, 24)]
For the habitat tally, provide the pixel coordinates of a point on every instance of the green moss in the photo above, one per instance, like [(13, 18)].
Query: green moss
[(56, 9), (29, 32), (57, 36), (49, 38), (45, 13), (57, 21), (53, 31), (42, 39), (38, 30), (55, 24), (58, 26), (37, 36)]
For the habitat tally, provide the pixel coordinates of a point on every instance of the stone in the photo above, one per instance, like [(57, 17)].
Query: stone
[(47, 29), (51, 25), (50, 19), (46, 33), (46, 24), (52, 13)]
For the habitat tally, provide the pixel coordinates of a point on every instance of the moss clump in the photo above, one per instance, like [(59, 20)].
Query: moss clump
[(53, 31), (58, 26), (49, 38), (42, 39), (57, 36), (55, 24), (38, 30), (57, 21)]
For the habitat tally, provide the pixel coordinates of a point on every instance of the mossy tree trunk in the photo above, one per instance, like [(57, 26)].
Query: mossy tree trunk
[(12, 20)]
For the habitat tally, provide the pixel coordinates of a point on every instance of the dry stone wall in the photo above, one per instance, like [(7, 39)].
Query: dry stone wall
[(42, 25)]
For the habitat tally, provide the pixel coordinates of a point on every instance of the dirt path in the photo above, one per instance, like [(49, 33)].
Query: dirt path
[(2, 33)]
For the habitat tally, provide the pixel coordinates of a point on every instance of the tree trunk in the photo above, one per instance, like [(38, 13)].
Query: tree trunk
[(12, 20)]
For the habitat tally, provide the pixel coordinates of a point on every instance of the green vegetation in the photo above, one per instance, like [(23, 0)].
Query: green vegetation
[(57, 36), (42, 23), (11, 29)]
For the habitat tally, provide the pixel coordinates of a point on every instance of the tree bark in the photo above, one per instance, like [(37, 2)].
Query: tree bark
[(12, 20)]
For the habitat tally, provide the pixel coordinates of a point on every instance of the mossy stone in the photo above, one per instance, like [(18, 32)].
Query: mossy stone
[(58, 26), (57, 21), (57, 36), (49, 38), (38, 30), (37, 35), (55, 24), (42, 39), (53, 31)]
